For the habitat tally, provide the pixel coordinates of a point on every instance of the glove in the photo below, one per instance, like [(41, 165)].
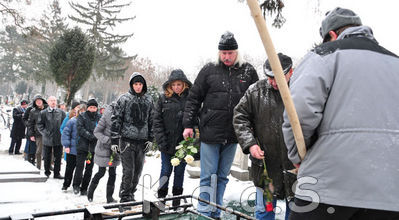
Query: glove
[(147, 146), (115, 148)]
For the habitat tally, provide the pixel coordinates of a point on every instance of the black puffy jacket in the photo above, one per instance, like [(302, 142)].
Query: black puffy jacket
[(168, 126), (132, 116), (33, 117), (85, 125), (218, 88)]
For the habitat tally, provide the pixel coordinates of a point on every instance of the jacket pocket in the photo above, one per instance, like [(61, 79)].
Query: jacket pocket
[(206, 117)]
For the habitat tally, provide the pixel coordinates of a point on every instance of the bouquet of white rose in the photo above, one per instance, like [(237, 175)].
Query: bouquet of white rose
[(185, 150)]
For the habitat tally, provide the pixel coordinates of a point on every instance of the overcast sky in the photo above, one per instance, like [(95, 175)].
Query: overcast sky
[(184, 33)]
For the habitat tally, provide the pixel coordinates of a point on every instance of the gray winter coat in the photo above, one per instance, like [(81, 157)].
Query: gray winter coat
[(103, 134), (132, 116), (345, 93)]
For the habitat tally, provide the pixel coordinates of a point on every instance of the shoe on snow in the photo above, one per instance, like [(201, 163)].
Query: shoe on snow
[(83, 192), (76, 190)]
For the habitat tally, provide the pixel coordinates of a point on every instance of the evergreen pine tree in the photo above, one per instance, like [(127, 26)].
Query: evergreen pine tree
[(10, 54), (39, 42), (101, 18), (71, 61)]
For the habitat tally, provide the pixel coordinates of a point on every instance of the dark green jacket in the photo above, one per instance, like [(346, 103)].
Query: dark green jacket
[(258, 117)]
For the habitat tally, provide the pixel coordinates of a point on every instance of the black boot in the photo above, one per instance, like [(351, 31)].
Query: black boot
[(110, 192), (90, 193), (162, 192), (176, 192)]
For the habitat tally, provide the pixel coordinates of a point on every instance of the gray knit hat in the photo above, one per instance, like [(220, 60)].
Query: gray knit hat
[(337, 18)]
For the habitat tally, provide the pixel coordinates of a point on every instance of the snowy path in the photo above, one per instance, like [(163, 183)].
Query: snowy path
[(28, 197)]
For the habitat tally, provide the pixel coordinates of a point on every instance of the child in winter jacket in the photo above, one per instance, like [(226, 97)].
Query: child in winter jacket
[(104, 157)]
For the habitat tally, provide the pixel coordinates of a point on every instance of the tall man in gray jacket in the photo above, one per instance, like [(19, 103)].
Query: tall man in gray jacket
[(345, 94)]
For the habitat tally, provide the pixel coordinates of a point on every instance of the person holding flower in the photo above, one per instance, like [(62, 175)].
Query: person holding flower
[(104, 157), (216, 91), (258, 119), (85, 125), (168, 129)]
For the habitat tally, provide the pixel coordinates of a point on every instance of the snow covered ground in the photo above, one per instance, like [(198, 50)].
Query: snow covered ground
[(28, 197)]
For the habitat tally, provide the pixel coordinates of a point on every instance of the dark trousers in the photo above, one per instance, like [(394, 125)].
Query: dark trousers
[(334, 212), (166, 171), (70, 167), (101, 173), (80, 179), (132, 155), (31, 151), (48, 151), (39, 151), (15, 145)]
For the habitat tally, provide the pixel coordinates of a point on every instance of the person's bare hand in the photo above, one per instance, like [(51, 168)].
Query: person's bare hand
[(188, 132), (67, 150), (256, 152), (33, 138)]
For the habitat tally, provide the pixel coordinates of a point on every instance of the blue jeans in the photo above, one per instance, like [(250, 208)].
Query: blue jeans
[(166, 171), (260, 211), (216, 160)]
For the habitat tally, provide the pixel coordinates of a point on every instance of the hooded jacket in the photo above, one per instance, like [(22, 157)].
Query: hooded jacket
[(132, 116), (168, 116), (258, 119), (345, 95), (216, 91), (33, 117)]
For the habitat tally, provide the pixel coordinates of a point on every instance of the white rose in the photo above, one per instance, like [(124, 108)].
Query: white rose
[(175, 162), (189, 159), (178, 147)]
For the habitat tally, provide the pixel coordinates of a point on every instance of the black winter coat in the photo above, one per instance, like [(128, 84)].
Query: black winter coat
[(132, 116), (48, 124), (85, 125), (25, 118), (18, 127), (168, 127), (258, 117), (218, 88), (34, 113)]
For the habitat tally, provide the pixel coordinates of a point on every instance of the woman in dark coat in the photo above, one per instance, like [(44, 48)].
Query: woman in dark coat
[(102, 156), (168, 129)]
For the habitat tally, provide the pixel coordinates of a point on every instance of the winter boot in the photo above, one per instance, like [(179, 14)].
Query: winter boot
[(110, 192), (162, 192), (76, 190), (176, 192), (90, 193)]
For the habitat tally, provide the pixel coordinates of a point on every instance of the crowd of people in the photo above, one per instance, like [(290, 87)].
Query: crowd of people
[(342, 90)]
